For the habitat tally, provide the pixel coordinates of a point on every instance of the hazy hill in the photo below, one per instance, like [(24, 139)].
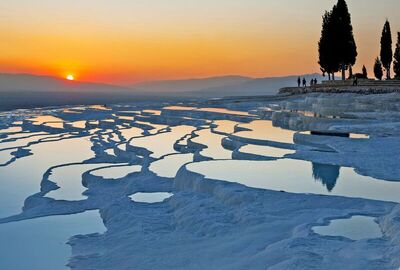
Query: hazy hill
[(32, 83), (29, 91), (224, 86), (260, 86), (190, 85), (26, 91)]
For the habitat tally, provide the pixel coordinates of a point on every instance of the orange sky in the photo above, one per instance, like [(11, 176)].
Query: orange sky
[(125, 41)]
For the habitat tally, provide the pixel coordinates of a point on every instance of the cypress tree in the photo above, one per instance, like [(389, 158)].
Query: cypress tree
[(346, 48), (326, 48), (350, 72), (396, 64), (378, 69), (386, 48), (364, 72)]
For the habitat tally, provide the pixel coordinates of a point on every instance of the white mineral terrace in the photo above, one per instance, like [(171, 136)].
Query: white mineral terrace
[(268, 183)]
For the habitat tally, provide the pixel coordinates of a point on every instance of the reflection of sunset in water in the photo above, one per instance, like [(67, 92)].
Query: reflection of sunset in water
[(213, 110), (264, 130), (48, 120)]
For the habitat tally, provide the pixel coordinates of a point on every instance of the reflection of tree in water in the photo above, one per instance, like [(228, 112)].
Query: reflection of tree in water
[(326, 174)]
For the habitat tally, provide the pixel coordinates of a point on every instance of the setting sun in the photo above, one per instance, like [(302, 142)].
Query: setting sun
[(70, 77)]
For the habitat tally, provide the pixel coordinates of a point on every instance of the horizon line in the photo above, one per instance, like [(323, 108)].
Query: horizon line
[(156, 80)]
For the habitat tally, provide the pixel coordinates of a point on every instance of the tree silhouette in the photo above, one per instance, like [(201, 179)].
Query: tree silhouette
[(326, 174), (396, 64), (346, 49), (386, 48), (350, 72), (326, 48), (365, 72), (378, 69), (337, 47)]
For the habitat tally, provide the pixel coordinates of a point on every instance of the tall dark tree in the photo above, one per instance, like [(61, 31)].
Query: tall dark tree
[(364, 72), (386, 48), (326, 48), (378, 69), (396, 64), (350, 72), (346, 48)]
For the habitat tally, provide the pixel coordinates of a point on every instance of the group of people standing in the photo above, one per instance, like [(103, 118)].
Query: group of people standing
[(304, 81)]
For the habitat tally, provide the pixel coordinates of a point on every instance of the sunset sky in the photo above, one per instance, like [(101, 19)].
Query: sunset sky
[(125, 41)]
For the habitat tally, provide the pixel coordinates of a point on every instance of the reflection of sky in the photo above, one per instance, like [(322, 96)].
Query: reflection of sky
[(117, 172), (131, 132), (45, 118), (41, 243), (69, 181), (265, 150), (79, 124), (162, 144), (22, 178), (297, 177), (213, 142), (264, 130), (5, 156), (28, 138), (11, 129), (356, 228), (153, 197), (169, 166), (214, 110), (225, 126), (48, 120)]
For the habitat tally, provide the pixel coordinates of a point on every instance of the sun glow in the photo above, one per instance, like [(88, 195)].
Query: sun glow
[(70, 77)]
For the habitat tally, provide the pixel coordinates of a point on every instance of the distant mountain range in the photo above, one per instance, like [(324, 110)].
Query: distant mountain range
[(190, 85), (224, 86), (256, 87), (30, 91), (26, 90), (33, 83)]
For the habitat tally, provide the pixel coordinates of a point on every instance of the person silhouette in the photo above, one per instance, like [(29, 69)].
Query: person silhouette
[(315, 81), (298, 81), (304, 82)]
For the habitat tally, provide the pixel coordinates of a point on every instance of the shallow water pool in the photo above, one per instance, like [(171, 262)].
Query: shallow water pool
[(265, 130), (23, 177), (299, 177), (355, 228), (41, 243), (169, 165), (151, 197), (116, 172), (69, 181)]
